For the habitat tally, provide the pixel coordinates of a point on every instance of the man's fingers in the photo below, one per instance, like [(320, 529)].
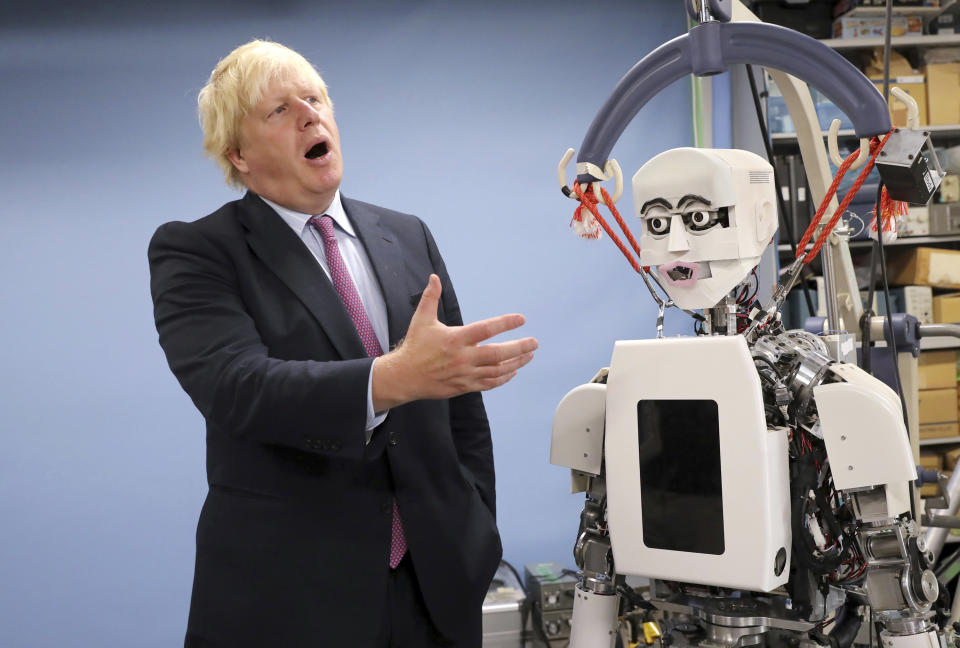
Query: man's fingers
[(490, 383), (499, 352), (429, 300), (508, 366), (488, 328)]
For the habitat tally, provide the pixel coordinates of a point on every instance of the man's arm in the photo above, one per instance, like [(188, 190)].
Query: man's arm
[(215, 351), (448, 362)]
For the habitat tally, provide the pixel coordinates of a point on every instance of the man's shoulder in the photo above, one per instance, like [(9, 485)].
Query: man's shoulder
[(224, 218), (220, 229), (355, 208)]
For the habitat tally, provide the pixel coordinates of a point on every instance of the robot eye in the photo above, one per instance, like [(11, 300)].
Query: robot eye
[(658, 225), (699, 221)]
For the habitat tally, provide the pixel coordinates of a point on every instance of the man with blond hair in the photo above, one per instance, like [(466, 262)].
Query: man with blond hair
[(351, 498)]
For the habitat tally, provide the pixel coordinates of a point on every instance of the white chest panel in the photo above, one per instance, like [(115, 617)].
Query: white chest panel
[(697, 486)]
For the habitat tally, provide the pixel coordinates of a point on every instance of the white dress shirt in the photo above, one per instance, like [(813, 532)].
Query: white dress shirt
[(360, 269)]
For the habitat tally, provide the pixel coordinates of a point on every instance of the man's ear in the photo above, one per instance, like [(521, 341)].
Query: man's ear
[(236, 158)]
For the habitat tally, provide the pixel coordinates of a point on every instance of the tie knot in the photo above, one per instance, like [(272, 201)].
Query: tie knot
[(324, 225)]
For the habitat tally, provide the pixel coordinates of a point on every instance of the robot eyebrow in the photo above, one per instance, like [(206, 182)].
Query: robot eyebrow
[(689, 198), (656, 201)]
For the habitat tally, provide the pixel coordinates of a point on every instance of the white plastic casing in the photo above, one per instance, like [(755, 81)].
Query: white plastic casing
[(866, 440), (753, 461), (577, 439)]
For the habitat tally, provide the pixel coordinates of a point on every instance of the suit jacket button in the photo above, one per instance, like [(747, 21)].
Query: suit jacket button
[(393, 440), (335, 445), (386, 507)]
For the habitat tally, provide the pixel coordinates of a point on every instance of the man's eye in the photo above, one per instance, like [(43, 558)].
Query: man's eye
[(278, 110), (658, 225), (700, 220), (313, 99)]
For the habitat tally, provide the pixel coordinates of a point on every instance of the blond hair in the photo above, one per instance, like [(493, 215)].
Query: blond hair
[(235, 86)]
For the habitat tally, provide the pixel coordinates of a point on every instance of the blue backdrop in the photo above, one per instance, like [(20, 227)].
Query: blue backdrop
[(458, 113)]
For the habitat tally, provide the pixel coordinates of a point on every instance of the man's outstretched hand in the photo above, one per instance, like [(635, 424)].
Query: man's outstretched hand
[(439, 361)]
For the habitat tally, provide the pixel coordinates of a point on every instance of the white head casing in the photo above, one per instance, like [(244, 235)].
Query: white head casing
[(707, 215)]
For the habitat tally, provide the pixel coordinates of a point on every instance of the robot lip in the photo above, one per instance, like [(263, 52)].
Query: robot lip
[(680, 273)]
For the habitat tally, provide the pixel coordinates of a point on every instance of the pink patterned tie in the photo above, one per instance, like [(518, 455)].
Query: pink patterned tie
[(343, 283)]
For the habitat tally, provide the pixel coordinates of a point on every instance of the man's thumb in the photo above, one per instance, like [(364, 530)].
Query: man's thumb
[(430, 299)]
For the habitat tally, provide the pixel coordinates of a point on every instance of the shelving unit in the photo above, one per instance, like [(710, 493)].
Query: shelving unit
[(917, 40), (946, 130), (907, 240), (878, 11)]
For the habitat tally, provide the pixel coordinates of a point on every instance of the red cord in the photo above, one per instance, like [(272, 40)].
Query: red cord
[(589, 200), (876, 146)]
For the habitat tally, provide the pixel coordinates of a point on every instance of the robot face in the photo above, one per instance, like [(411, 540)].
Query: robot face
[(706, 217)]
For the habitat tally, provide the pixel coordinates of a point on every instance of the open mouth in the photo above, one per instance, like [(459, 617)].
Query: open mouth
[(316, 151), (684, 274)]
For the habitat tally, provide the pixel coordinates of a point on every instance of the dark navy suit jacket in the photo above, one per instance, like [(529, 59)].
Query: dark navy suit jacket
[(294, 535)]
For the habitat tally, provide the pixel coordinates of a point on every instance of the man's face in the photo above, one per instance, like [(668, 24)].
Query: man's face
[(289, 146)]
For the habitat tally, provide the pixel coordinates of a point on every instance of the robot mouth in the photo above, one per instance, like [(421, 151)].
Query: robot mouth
[(683, 274)]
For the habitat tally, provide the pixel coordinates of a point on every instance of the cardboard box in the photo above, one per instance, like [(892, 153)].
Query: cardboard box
[(943, 93), (939, 430), (925, 266), (938, 406), (946, 309), (869, 26), (937, 370), (914, 86)]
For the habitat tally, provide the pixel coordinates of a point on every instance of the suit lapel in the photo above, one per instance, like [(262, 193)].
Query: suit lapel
[(286, 255), (384, 253)]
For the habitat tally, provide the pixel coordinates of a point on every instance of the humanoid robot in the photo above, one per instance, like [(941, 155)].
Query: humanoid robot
[(760, 482)]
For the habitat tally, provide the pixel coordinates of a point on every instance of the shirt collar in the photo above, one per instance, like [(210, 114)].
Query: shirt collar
[(298, 221)]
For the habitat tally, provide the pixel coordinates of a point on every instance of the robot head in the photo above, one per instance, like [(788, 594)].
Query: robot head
[(706, 217)]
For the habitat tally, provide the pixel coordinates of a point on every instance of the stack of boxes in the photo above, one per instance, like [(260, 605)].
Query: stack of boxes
[(937, 380)]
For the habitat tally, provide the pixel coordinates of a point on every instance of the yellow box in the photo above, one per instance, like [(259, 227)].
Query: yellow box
[(925, 266), (913, 86), (943, 93), (939, 430), (946, 308), (937, 370), (938, 406)]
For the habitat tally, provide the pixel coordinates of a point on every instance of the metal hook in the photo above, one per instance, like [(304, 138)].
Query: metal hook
[(835, 151)]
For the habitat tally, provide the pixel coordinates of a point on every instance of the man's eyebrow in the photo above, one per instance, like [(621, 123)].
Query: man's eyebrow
[(689, 198), (656, 201)]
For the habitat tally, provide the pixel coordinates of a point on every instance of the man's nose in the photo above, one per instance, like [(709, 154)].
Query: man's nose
[(678, 235), (308, 114)]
